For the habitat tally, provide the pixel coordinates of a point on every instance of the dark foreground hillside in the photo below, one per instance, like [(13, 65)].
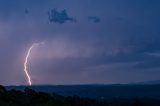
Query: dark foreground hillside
[(29, 97), (98, 91)]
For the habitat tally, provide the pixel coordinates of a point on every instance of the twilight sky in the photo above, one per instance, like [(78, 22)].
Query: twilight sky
[(86, 41)]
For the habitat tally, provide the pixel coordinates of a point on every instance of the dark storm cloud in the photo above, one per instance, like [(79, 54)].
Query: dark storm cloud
[(122, 48), (59, 17), (148, 64), (95, 19), (152, 62)]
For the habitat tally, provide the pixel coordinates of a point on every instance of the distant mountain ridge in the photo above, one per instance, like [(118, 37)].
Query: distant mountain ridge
[(150, 82)]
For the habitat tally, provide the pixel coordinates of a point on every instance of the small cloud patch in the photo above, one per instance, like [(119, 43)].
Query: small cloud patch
[(60, 17), (26, 11), (94, 19)]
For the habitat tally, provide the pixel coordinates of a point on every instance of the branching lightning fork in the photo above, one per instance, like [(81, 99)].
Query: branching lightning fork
[(26, 61)]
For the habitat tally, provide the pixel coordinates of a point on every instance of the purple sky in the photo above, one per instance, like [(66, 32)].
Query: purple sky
[(86, 41)]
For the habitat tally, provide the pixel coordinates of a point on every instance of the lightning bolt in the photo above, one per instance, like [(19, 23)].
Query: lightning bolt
[(26, 61)]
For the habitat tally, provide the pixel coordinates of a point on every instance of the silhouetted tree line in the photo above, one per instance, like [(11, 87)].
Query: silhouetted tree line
[(29, 97)]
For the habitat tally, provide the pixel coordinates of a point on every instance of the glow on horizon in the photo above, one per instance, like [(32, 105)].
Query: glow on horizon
[(26, 61)]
